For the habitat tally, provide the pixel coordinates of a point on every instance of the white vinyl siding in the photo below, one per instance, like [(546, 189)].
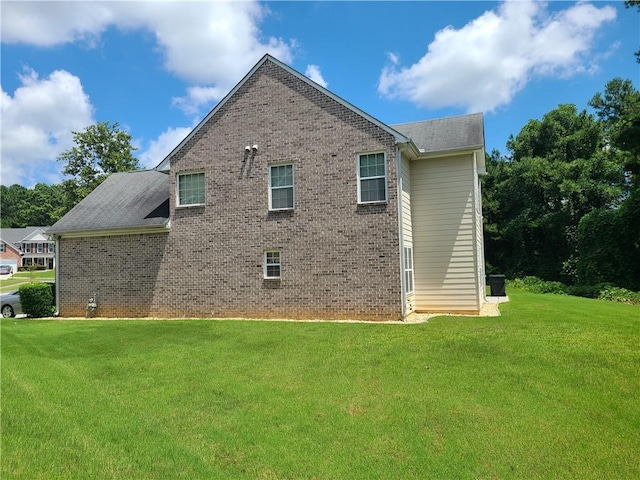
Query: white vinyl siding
[(372, 178), (190, 189), (444, 244), (406, 231), (281, 187)]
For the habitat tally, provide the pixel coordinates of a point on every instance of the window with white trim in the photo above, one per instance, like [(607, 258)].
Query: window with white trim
[(40, 247), (408, 269), (190, 189), (272, 265), (372, 178), (27, 248), (51, 248), (281, 187)]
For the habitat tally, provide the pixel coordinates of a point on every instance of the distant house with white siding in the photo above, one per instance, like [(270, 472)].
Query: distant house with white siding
[(286, 201)]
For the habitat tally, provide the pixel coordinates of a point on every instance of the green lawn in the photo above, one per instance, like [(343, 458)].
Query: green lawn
[(20, 278), (551, 389)]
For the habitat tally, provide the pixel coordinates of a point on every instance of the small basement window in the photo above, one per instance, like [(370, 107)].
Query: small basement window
[(190, 189), (272, 264)]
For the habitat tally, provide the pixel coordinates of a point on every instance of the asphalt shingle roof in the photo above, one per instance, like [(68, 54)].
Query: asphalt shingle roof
[(445, 134), (16, 235), (124, 200)]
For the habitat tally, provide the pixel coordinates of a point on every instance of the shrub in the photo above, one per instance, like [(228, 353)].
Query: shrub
[(37, 299), (536, 285), (617, 294)]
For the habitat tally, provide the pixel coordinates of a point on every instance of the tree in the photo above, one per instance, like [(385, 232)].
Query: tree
[(43, 205), (557, 172), (100, 150)]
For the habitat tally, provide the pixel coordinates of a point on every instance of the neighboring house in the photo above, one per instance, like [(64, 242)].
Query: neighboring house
[(286, 201), (27, 246)]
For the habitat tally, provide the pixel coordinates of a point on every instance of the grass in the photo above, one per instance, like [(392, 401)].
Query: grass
[(548, 390), (20, 278)]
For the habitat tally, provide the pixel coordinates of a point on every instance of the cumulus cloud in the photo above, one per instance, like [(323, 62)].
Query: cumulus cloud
[(158, 149), (205, 43), (313, 72), (197, 97), (481, 66), (36, 125)]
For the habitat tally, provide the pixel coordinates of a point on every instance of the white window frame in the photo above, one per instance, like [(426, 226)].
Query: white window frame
[(408, 270), (40, 247), (51, 248), (292, 187), (271, 263), (27, 248), (360, 178), (185, 174)]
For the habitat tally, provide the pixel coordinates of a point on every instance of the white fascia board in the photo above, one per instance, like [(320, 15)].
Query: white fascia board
[(112, 232)]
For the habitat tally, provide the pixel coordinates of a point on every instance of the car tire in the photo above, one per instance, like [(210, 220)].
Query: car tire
[(7, 311)]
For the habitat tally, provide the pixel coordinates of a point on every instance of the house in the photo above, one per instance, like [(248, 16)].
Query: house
[(286, 201), (23, 247)]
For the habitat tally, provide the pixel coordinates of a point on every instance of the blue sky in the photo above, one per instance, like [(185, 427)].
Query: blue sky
[(157, 68)]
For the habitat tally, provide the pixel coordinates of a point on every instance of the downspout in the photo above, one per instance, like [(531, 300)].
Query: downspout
[(57, 275)]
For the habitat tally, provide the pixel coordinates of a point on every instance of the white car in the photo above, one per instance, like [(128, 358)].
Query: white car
[(10, 305)]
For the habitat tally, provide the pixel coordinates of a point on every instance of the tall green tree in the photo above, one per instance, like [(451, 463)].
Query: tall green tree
[(609, 239), (100, 150), (557, 172)]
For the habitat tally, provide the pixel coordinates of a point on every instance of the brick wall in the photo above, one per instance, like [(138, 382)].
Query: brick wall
[(121, 269), (339, 259)]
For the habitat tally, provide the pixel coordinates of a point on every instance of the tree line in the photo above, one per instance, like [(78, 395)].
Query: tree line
[(564, 203), (98, 151)]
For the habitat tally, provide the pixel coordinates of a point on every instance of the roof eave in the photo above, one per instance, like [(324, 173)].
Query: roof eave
[(164, 227)]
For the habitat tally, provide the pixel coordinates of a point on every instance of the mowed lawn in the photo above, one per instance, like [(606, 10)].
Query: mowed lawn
[(551, 389)]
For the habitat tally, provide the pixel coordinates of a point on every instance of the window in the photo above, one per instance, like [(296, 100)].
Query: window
[(40, 248), (372, 178), (408, 269), (27, 248), (272, 264), (281, 187), (51, 248), (190, 189)]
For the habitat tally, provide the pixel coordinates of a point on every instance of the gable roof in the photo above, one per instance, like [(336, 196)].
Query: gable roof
[(446, 135), (164, 165), (14, 236), (131, 200)]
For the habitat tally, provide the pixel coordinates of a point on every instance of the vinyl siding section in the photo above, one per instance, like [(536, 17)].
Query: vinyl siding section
[(444, 240), (406, 226)]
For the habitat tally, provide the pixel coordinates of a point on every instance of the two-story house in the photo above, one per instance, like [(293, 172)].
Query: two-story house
[(286, 201), (23, 247)]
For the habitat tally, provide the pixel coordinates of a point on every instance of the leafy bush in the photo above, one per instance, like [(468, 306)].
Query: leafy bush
[(617, 294), (587, 291), (37, 299), (536, 285)]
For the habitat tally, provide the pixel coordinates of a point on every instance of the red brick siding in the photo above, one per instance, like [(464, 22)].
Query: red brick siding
[(121, 269), (339, 259)]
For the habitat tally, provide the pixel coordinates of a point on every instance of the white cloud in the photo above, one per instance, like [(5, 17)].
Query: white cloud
[(198, 97), (205, 43), (481, 66), (313, 72), (158, 149), (36, 125)]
